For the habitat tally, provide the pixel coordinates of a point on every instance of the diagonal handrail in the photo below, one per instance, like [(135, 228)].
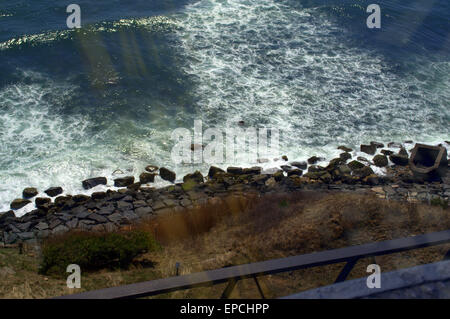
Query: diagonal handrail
[(274, 266)]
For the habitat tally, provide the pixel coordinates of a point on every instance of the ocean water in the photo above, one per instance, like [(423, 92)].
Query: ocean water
[(82, 103)]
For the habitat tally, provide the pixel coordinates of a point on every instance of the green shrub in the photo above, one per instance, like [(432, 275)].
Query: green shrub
[(93, 251)]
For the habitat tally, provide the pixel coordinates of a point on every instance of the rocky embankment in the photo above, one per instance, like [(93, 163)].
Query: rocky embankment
[(110, 210)]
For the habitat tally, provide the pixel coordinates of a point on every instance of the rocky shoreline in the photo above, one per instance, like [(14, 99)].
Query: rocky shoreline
[(406, 179)]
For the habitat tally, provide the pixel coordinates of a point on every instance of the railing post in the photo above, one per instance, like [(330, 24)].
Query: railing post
[(259, 287), (346, 270), (227, 292)]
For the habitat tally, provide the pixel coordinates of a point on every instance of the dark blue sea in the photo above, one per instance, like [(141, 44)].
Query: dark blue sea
[(85, 102)]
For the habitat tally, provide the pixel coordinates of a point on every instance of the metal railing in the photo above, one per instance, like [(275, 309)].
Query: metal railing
[(233, 274)]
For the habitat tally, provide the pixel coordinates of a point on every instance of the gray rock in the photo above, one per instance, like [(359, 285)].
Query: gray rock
[(26, 235), (41, 226), (115, 218), (73, 223), (144, 211), (24, 226), (97, 218), (55, 223), (122, 205), (60, 229)]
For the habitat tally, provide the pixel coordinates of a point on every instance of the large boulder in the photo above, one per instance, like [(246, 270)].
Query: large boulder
[(301, 165), (213, 170), (252, 170), (355, 165), (124, 181), (54, 191), (29, 192), (196, 177), (41, 201), (314, 159), (19, 203), (398, 159), (234, 170), (167, 174), (380, 160), (92, 182), (146, 178), (369, 149)]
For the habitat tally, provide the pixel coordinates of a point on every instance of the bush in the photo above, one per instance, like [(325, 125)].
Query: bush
[(93, 251)]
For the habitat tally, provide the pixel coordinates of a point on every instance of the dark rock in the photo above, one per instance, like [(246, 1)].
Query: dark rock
[(363, 172), (98, 195), (24, 226), (315, 159), (213, 170), (355, 165), (124, 181), (29, 192), (42, 201), (301, 165), (167, 174), (399, 159), (285, 158), (10, 238), (380, 160), (134, 187), (234, 170), (80, 198), (315, 169), (19, 203), (295, 172), (345, 149), (377, 144), (115, 218), (278, 176), (7, 215), (123, 205), (196, 177), (146, 178), (252, 170), (286, 168), (403, 152), (151, 168), (368, 149), (345, 156), (61, 200), (363, 159), (92, 182), (54, 191), (387, 152)]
